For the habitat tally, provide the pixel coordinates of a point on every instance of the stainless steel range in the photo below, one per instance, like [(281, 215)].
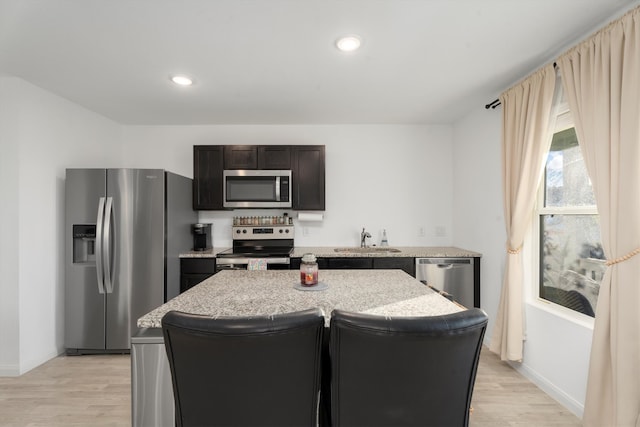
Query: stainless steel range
[(258, 245)]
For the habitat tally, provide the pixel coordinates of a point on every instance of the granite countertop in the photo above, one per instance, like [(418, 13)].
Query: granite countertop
[(329, 252), (405, 251), (270, 292), (208, 253)]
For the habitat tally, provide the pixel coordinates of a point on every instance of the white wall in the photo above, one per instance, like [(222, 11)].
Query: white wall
[(557, 348), (377, 176), (478, 219), (9, 220), (45, 135)]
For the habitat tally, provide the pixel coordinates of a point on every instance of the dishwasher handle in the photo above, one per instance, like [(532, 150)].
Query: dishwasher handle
[(449, 266), (445, 262)]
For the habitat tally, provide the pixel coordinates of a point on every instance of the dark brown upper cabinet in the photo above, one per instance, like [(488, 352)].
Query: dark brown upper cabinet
[(305, 161), (307, 178), (241, 157), (277, 157), (207, 177)]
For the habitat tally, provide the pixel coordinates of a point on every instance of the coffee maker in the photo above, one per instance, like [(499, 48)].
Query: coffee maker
[(201, 237)]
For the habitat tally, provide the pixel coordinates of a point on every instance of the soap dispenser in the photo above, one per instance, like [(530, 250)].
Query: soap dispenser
[(384, 241)]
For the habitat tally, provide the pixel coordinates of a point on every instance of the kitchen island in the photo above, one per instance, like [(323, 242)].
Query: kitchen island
[(256, 293), (267, 292)]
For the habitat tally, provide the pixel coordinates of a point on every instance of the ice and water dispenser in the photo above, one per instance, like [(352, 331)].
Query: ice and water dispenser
[(84, 243)]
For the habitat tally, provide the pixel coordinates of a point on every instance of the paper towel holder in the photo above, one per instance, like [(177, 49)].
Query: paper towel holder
[(309, 217)]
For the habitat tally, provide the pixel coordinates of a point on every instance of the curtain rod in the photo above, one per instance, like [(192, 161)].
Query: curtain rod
[(492, 104), (496, 102)]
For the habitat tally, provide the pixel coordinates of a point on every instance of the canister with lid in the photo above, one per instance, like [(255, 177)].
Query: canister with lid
[(308, 270)]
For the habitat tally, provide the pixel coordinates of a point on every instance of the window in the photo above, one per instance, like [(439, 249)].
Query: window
[(570, 251)]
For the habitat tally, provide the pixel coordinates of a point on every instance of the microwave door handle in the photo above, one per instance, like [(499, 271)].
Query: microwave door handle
[(277, 188), (106, 246), (99, 238)]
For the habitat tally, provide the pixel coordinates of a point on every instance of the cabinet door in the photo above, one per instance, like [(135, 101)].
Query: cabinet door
[(396, 263), (274, 157), (207, 177), (240, 157), (350, 263), (308, 179), (188, 281), (195, 270)]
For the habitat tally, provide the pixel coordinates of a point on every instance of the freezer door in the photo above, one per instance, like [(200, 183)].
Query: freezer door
[(84, 304), (136, 250)]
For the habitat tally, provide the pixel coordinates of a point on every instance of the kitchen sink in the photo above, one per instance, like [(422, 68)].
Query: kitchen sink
[(371, 250)]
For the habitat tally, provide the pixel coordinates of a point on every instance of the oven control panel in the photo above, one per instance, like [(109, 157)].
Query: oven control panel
[(262, 232)]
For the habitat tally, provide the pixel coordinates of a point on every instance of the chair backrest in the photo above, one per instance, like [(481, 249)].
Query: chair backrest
[(245, 371), (404, 371)]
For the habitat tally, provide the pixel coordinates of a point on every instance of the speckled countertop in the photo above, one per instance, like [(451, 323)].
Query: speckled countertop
[(269, 292), (405, 251), (329, 251)]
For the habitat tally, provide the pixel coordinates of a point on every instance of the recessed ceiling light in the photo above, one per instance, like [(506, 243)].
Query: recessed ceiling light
[(348, 43), (182, 80)]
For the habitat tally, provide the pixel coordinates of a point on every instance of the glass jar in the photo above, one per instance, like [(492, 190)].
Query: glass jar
[(308, 270)]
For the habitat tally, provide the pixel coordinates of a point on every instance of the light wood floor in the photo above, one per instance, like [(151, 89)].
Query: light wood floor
[(96, 391), (504, 398)]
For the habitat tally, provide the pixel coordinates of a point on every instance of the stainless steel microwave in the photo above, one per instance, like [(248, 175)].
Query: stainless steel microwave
[(257, 189)]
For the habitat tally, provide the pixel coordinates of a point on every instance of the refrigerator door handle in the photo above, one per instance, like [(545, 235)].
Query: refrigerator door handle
[(106, 246), (99, 239)]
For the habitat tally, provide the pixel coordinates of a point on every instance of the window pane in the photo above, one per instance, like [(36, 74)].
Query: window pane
[(566, 180), (572, 261)]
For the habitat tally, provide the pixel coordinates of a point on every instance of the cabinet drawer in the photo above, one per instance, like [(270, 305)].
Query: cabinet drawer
[(197, 265), (350, 263), (323, 263)]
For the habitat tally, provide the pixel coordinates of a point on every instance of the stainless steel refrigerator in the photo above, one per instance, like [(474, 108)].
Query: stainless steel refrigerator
[(124, 231)]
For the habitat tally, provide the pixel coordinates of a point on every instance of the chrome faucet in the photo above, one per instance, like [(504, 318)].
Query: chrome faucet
[(363, 238)]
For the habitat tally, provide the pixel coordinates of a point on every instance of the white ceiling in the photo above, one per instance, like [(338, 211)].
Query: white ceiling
[(274, 61)]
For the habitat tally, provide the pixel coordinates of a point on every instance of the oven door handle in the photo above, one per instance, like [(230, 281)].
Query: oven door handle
[(283, 260), (221, 267), (244, 261)]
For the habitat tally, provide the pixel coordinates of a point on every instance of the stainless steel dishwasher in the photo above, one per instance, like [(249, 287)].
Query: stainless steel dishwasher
[(451, 275)]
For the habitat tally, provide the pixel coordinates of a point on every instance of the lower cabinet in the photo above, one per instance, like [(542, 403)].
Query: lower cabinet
[(354, 263), (349, 263), (396, 263), (195, 270)]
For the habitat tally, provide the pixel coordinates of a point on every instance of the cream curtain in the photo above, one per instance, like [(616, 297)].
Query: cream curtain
[(602, 80), (526, 137)]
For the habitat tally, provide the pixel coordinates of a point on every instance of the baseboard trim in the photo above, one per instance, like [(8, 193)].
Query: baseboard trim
[(9, 371), (13, 370), (28, 365), (549, 388)]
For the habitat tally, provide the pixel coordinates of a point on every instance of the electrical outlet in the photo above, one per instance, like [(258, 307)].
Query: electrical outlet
[(305, 231), (440, 231), (421, 232)]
